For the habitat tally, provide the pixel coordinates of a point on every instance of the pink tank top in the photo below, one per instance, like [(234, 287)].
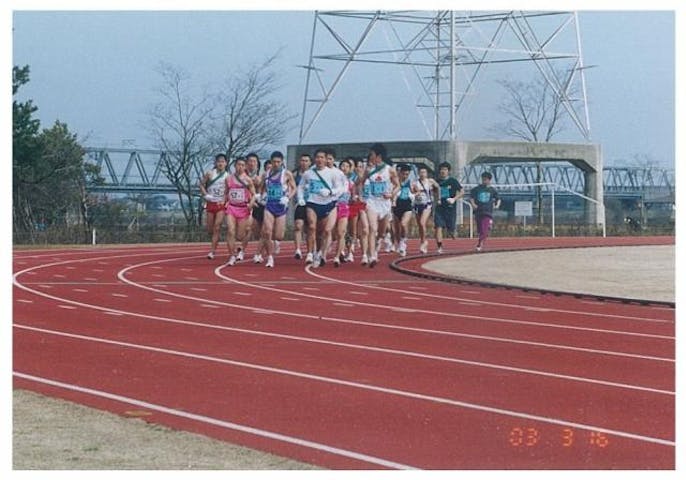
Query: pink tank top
[(239, 194)]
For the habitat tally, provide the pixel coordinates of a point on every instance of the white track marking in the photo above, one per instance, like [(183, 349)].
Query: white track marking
[(165, 300), (121, 295), (338, 304), (67, 307), (443, 313), (116, 314), (205, 305), (245, 294), (486, 302), (24, 301), (91, 279), (364, 386), (221, 423), (59, 276), (411, 298), (122, 273), (45, 286), (80, 290)]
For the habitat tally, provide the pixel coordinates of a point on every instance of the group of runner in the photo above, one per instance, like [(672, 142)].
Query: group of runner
[(355, 203)]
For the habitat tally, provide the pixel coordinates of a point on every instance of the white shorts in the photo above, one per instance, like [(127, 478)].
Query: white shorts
[(380, 206)]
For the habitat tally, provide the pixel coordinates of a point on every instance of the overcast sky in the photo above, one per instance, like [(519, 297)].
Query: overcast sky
[(95, 70)]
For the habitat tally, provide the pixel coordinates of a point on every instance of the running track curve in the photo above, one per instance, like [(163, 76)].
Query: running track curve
[(351, 368)]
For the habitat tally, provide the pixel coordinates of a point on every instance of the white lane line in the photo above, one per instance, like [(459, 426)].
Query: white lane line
[(91, 279), (191, 278), (363, 386), (205, 305), (45, 286), (221, 423), (59, 276), (338, 304), (67, 307), (81, 290), (263, 312), (98, 270), (464, 315), (23, 300), (244, 294), (415, 287), (357, 293), (158, 275), (116, 314), (122, 295), (487, 302), (165, 300), (311, 289)]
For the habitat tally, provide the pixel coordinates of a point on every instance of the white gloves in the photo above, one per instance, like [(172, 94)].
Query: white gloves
[(284, 200), (208, 197), (450, 200), (324, 192), (301, 202)]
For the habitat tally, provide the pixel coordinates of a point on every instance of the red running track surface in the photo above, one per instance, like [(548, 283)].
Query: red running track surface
[(351, 367)]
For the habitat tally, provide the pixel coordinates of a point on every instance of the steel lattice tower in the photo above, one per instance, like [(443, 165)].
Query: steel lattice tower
[(447, 53)]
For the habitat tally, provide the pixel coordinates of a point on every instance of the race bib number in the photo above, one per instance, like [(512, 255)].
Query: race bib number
[(237, 195), (378, 188), (315, 186), (274, 191)]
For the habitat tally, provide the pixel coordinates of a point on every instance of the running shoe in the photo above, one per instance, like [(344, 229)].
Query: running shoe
[(257, 258), (373, 262), (342, 258), (337, 262), (402, 252), (232, 261), (478, 247), (423, 247), (270, 262), (240, 255), (350, 258), (210, 255), (316, 261), (439, 250), (298, 254), (309, 258), (277, 247), (365, 259)]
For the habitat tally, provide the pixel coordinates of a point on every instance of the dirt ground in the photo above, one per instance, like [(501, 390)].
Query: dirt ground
[(50, 434)]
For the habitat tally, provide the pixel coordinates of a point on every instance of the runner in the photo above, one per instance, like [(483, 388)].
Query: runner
[(359, 223), (324, 187), (258, 214), (445, 215), (300, 217), (253, 171), (423, 188), (240, 198), (278, 187), (213, 189), (383, 183), (484, 198), (402, 209), (343, 211)]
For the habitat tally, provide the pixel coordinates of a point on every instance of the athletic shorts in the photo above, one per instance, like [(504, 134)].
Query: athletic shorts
[(322, 211), (381, 206), (420, 207), (239, 212), (277, 209), (258, 213), (402, 206), (445, 217), (343, 210), (214, 207), (300, 213), (356, 208)]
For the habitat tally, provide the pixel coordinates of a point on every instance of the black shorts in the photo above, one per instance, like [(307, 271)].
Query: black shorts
[(445, 217), (258, 213), (322, 211), (300, 213), (402, 206)]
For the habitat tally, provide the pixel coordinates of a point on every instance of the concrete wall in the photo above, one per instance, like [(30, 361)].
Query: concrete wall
[(587, 157)]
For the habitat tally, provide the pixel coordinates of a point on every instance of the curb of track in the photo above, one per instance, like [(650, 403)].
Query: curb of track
[(396, 265)]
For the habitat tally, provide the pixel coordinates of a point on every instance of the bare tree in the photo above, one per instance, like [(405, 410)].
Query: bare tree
[(180, 122), (533, 112), (251, 117)]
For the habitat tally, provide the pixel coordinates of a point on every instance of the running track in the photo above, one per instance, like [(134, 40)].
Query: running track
[(351, 368)]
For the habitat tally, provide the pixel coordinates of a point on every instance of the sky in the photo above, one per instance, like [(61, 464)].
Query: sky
[(95, 70)]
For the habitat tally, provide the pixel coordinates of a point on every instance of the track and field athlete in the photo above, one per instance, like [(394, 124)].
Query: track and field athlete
[(343, 211), (383, 184), (359, 223), (213, 188), (424, 189), (402, 209), (300, 216), (252, 169), (324, 187), (484, 198), (278, 187), (445, 216), (240, 198)]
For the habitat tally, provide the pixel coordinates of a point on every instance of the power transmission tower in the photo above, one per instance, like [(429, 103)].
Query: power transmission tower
[(447, 52)]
